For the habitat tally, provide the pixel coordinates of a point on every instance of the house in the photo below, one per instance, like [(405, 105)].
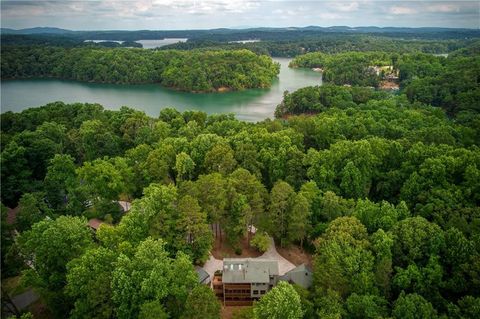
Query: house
[(244, 280), (125, 206), (95, 223), (300, 275), (203, 276)]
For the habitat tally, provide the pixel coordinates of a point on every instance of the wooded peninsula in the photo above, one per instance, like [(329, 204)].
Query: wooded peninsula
[(193, 71)]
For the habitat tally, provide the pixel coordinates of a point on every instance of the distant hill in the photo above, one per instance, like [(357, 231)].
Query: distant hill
[(227, 35), (367, 29), (36, 30)]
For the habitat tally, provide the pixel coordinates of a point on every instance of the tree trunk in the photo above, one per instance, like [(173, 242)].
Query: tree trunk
[(220, 230)]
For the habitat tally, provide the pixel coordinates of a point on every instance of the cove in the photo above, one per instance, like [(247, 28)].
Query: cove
[(250, 105)]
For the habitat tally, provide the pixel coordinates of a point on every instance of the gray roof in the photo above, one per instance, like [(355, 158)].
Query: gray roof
[(203, 276), (300, 275), (248, 270)]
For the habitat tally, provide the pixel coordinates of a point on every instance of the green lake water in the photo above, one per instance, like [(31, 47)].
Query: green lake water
[(249, 105)]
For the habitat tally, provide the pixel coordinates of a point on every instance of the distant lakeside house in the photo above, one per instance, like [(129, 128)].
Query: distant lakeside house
[(95, 223), (244, 280)]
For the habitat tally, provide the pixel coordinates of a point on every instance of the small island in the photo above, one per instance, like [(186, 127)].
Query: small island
[(192, 71)]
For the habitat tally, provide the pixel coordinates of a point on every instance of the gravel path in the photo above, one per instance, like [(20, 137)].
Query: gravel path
[(283, 264), (212, 265)]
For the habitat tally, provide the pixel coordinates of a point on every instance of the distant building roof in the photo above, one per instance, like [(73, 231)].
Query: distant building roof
[(248, 270), (203, 276), (12, 215), (300, 275), (124, 205), (95, 223)]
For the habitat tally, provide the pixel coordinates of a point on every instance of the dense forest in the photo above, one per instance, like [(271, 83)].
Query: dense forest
[(449, 82), (195, 71), (270, 43), (352, 68), (61, 41), (266, 34), (329, 44), (381, 188)]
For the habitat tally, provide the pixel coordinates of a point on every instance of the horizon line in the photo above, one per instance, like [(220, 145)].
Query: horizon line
[(246, 28)]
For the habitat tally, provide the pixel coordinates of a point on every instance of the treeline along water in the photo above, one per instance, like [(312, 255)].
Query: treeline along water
[(249, 105)]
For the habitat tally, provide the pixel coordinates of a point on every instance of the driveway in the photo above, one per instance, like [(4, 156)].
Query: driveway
[(213, 264), (283, 264)]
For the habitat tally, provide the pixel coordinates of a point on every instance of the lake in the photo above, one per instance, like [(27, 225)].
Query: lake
[(152, 44), (249, 105)]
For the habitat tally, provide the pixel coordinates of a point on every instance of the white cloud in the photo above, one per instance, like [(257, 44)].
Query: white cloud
[(191, 14), (346, 6), (208, 6), (329, 16), (443, 8), (402, 10)]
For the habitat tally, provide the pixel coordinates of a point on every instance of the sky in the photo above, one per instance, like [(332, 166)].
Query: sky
[(208, 14)]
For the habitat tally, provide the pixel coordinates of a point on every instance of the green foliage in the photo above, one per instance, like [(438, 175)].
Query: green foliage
[(413, 306), (366, 306), (32, 209), (343, 256), (281, 200), (152, 310), (193, 234), (261, 241), (469, 306), (220, 159), (329, 305), (184, 166), (352, 184), (59, 179), (94, 140), (88, 282), (196, 71), (450, 83), (306, 299), (382, 247), (99, 183), (380, 215), (352, 68), (280, 302), (27, 315), (201, 303), (150, 275), (416, 240), (386, 189), (48, 247), (11, 263), (15, 173), (299, 220), (317, 99)]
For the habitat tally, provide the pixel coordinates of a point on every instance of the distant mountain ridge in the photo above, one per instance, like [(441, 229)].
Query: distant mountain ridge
[(36, 30), (362, 29), (47, 35)]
